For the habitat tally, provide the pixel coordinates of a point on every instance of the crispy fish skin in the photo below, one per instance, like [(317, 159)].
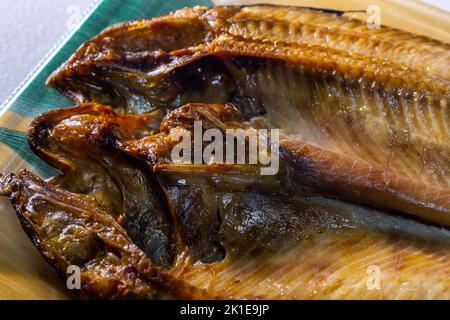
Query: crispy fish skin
[(70, 229)]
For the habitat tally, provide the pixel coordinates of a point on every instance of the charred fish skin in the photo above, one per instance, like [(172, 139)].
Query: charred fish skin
[(71, 230)]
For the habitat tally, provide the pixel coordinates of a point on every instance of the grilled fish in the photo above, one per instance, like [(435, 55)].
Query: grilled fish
[(71, 229), (234, 233), (364, 159), (386, 91)]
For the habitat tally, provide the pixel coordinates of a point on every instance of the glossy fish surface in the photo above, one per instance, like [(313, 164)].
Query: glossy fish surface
[(71, 230), (359, 207), (366, 110), (236, 234)]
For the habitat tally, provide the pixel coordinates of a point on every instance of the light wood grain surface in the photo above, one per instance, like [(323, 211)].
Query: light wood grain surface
[(24, 273)]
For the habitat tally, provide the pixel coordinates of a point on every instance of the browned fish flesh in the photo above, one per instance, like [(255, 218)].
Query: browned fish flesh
[(71, 229), (364, 177)]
